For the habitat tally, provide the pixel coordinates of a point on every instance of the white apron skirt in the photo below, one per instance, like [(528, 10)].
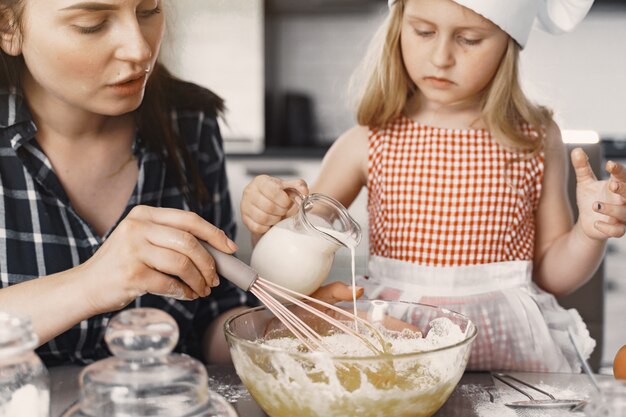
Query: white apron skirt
[(520, 327)]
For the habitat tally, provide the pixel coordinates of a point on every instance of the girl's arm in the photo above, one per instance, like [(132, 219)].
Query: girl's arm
[(344, 168), (567, 254)]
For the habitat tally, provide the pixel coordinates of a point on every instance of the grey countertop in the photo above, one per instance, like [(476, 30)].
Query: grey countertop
[(477, 394)]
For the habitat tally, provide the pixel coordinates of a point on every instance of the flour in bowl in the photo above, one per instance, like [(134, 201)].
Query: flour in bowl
[(442, 332)]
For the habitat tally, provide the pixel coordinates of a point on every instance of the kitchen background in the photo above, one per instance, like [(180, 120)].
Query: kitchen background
[(284, 66)]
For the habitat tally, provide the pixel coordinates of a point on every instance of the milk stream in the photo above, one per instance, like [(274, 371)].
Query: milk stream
[(351, 244)]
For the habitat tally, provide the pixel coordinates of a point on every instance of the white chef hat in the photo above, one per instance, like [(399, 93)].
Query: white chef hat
[(516, 17)]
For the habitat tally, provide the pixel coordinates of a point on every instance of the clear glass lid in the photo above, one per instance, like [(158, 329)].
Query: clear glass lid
[(16, 335), (144, 378)]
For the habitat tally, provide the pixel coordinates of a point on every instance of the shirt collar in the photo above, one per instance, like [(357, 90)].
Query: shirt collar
[(16, 120)]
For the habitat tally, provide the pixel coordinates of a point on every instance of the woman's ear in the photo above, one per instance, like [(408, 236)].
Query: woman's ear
[(10, 34)]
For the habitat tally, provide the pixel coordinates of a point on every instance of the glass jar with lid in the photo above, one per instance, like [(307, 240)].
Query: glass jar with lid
[(609, 400), (24, 380), (144, 378)]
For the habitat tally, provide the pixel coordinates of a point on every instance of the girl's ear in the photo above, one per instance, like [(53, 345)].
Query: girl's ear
[(10, 34)]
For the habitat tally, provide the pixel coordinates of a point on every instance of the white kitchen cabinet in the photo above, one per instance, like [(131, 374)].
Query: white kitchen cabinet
[(241, 170)]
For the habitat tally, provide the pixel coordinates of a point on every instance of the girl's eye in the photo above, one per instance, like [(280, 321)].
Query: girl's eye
[(151, 12), (90, 29), (470, 42), (424, 33)]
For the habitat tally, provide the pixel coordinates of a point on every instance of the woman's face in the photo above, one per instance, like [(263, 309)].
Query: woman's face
[(93, 55)]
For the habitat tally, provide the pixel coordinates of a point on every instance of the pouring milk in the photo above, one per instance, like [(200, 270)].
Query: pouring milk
[(298, 252)]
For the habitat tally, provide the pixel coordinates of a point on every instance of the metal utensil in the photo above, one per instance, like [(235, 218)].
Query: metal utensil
[(551, 402), (582, 360), (586, 368), (271, 294)]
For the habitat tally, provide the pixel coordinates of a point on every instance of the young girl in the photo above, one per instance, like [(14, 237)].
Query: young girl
[(466, 181)]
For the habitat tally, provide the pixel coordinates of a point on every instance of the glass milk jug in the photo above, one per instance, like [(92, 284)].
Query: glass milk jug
[(145, 378), (24, 381), (298, 252)]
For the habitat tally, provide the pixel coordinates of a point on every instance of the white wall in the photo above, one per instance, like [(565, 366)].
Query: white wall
[(582, 74), (219, 44)]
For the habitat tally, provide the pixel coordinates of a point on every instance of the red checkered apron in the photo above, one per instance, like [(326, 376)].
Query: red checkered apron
[(451, 223)]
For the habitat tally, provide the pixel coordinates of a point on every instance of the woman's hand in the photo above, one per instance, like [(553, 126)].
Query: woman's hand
[(265, 202), (601, 204), (157, 251)]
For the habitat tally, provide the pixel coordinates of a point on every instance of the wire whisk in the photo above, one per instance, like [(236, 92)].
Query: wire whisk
[(271, 295)]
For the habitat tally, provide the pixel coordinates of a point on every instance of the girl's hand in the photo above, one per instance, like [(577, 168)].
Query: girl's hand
[(336, 292), (157, 251), (601, 204), (264, 202)]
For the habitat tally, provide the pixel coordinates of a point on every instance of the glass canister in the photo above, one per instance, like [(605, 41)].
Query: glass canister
[(298, 251), (24, 380), (609, 401), (144, 378)]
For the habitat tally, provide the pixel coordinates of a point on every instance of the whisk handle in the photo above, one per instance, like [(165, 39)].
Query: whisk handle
[(232, 268)]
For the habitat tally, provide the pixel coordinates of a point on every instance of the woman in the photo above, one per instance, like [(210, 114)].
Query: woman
[(112, 172)]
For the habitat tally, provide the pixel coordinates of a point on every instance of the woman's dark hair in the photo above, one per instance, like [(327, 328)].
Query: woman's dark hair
[(164, 93)]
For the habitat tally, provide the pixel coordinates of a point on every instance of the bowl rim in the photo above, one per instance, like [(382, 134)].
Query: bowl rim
[(230, 335)]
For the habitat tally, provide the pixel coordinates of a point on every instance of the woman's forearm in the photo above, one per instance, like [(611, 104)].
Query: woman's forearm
[(55, 303), (570, 262)]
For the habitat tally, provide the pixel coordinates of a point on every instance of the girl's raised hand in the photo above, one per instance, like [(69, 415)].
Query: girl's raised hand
[(601, 204), (265, 202), (157, 251)]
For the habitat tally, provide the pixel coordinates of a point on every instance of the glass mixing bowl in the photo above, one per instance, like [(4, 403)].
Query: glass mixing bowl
[(287, 383)]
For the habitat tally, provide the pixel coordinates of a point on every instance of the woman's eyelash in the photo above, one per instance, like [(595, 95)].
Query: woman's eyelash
[(90, 29), (151, 12), (93, 29)]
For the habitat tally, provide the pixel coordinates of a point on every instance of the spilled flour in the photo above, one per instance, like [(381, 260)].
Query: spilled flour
[(490, 401), (231, 392)]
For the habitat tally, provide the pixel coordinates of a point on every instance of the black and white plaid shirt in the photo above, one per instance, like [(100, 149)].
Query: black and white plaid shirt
[(41, 234)]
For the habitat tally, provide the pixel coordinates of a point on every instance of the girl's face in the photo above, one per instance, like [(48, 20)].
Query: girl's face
[(90, 54), (450, 52)]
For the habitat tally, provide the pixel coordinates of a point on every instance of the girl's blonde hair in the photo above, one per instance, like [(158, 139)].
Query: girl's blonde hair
[(387, 88)]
